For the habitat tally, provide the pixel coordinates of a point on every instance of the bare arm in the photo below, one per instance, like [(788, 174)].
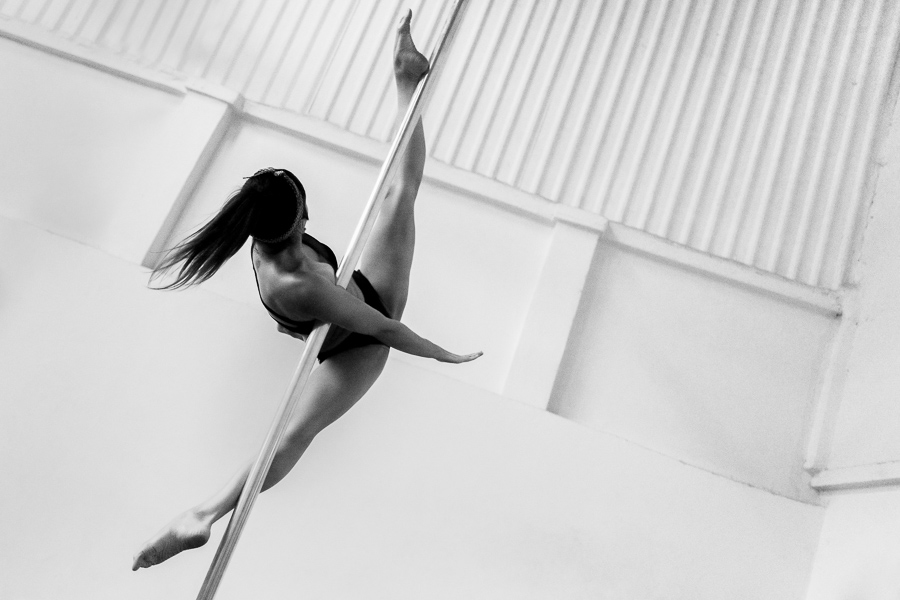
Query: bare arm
[(329, 303)]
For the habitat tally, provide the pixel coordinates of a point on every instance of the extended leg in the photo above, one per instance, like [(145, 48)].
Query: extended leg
[(387, 258), (332, 390)]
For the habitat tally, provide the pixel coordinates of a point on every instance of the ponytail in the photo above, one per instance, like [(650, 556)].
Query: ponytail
[(268, 206)]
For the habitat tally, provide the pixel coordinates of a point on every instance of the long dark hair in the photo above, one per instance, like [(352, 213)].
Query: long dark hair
[(268, 207)]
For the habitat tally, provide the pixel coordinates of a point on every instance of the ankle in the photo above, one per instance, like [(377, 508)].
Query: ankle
[(405, 95), (205, 514)]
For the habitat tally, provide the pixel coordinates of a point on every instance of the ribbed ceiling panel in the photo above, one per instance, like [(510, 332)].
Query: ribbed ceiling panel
[(742, 128)]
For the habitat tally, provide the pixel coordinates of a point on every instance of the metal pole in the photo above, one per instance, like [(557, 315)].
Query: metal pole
[(260, 468)]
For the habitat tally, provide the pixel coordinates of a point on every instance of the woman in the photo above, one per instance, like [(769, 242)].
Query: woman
[(296, 280)]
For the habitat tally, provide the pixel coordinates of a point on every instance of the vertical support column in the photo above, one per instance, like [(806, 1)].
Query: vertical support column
[(831, 385), (545, 332), (209, 111), (865, 302)]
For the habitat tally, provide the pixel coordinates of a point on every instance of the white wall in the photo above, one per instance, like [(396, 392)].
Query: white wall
[(128, 405), (859, 548), (118, 152), (719, 376)]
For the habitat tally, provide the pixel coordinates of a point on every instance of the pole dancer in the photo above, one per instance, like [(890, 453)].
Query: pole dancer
[(295, 275)]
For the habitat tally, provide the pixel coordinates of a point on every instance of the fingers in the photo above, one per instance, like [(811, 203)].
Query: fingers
[(464, 358)]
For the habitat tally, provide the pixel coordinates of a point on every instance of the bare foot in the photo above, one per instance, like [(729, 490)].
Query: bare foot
[(186, 531), (409, 64)]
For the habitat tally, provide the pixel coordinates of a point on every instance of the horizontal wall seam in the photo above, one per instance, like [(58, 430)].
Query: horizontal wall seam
[(857, 477), (102, 61), (687, 463)]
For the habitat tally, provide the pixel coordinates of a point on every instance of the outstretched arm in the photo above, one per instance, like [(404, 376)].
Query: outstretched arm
[(329, 303)]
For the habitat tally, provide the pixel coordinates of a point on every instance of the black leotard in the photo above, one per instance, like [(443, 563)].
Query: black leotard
[(353, 340)]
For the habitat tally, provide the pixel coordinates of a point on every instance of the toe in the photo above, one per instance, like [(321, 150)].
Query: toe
[(404, 22)]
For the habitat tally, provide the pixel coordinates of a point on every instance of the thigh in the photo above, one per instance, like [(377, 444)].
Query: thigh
[(388, 256), (336, 385)]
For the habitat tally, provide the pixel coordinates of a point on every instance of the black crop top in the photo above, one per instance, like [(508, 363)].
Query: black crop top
[(300, 327)]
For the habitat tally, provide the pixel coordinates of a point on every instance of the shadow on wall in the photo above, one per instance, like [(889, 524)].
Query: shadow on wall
[(698, 369)]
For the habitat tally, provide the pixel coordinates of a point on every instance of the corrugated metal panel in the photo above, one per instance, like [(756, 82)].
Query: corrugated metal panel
[(742, 128)]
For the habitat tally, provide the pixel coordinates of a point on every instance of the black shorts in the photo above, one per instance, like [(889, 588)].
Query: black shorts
[(358, 340)]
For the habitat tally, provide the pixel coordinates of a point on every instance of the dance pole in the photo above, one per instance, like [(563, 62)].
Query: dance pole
[(260, 468)]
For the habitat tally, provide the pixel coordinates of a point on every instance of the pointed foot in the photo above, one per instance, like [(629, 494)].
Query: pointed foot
[(187, 531)]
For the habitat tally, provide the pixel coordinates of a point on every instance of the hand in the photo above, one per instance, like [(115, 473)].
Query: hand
[(449, 357), (293, 334)]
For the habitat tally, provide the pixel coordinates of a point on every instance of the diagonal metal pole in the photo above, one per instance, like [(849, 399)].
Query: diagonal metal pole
[(260, 469)]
